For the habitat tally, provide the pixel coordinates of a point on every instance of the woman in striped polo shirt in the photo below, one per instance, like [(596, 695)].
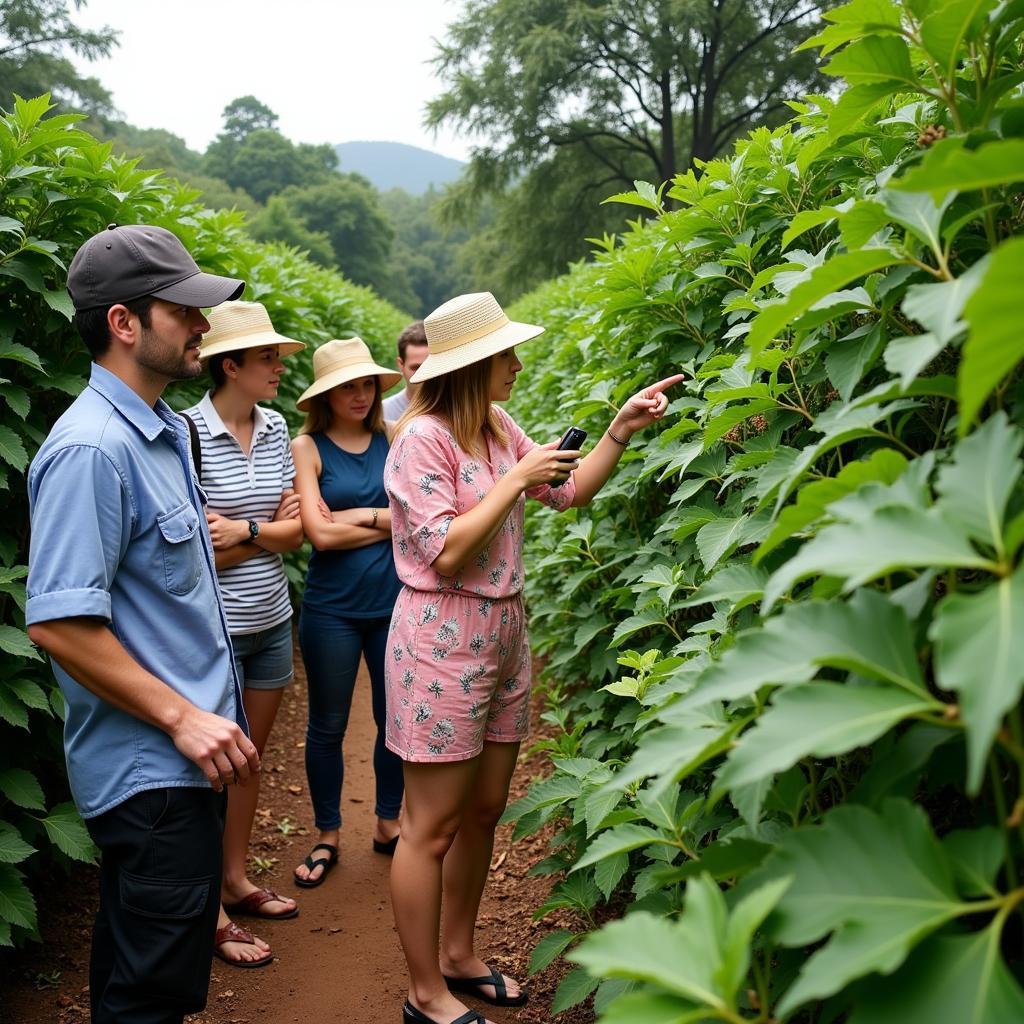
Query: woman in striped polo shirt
[(253, 514)]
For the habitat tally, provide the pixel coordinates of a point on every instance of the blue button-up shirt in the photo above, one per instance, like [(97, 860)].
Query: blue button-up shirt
[(119, 533)]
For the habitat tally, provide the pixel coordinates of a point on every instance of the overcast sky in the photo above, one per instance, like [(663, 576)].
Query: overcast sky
[(334, 70)]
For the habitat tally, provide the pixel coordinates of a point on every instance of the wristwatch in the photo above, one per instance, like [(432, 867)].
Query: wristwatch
[(254, 529)]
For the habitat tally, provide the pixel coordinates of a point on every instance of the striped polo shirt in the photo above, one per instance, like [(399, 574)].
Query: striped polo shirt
[(241, 486)]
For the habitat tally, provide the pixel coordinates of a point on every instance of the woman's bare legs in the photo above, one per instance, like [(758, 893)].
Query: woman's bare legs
[(261, 710), (435, 796), (468, 862)]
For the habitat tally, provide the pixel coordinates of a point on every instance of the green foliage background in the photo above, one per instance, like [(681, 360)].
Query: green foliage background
[(58, 186), (800, 793)]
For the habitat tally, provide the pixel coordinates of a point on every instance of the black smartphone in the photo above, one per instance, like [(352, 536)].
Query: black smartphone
[(572, 440)]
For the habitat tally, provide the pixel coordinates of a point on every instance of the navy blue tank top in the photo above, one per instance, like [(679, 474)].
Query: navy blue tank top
[(358, 583)]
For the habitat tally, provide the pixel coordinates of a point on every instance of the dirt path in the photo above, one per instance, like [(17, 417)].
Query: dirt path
[(340, 959)]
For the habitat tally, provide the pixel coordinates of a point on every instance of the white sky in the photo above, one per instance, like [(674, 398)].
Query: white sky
[(336, 71)]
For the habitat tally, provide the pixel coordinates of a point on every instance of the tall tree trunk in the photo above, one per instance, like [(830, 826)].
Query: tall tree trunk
[(668, 129)]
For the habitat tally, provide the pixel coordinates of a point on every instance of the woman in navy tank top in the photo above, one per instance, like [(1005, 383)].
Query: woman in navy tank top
[(351, 584)]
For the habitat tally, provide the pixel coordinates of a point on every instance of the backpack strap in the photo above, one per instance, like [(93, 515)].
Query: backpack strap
[(197, 450)]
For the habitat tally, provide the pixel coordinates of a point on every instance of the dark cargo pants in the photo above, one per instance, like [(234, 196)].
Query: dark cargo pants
[(159, 896)]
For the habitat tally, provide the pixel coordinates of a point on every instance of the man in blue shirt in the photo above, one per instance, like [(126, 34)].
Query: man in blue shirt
[(122, 595)]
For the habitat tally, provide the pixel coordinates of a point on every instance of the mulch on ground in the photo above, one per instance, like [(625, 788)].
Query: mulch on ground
[(340, 958)]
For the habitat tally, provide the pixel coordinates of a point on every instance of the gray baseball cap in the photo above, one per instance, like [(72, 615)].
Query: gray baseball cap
[(128, 261)]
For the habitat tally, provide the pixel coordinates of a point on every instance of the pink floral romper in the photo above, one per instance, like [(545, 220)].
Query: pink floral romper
[(457, 670)]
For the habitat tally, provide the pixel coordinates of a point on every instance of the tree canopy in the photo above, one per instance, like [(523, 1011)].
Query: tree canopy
[(663, 81), (35, 36)]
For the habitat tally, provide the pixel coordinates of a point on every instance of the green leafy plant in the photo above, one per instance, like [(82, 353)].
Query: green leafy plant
[(799, 794)]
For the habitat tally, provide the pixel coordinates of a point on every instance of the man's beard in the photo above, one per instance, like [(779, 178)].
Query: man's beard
[(155, 356)]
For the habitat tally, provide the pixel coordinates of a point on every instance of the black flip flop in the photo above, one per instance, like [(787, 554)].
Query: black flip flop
[(312, 862), (472, 986), (388, 848), (410, 1015)]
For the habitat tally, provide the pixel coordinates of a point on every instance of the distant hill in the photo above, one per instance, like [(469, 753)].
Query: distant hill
[(396, 165)]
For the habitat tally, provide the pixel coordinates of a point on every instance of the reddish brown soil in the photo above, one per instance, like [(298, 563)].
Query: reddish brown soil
[(339, 960)]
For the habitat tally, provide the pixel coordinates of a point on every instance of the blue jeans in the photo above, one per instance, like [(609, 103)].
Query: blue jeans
[(331, 646)]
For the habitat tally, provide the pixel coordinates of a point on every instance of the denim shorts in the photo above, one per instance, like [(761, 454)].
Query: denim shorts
[(263, 660)]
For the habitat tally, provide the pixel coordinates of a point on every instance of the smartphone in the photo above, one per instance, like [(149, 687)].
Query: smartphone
[(572, 440)]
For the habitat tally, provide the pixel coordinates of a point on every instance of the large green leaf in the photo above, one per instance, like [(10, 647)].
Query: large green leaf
[(960, 978), (948, 26), (835, 273), (673, 750), (878, 883), (884, 465), (17, 906), (854, 20), (554, 790), (739, 584), (976, 486), (979, 653), (15, 641), (950, 167), (681, 957), (620, 839), (717, 538), (876, 59), (13, 848), (840, 425), (891, 539), (819, 720), (12, 450), (938, 306), (869, 635), (996, 342), (68, 833), (652, 1008), (745, 919), (572, 990), (920, 214), (21, 788), (552, 946)]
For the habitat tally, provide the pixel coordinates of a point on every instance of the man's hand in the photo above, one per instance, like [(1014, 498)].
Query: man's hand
[(226, 533), (220, 748), (289, 506)]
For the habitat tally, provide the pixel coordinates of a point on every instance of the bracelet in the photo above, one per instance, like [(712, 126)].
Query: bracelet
[(373, 525), (617, 440)]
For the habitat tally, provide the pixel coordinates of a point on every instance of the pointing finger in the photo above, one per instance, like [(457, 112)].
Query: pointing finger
[(668, 382)]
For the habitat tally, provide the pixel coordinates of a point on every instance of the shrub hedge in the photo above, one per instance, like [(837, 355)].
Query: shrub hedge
[(785, 648)]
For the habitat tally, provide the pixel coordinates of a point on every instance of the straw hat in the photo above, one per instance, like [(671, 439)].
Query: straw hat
[(467, 329), (238, 325), (336, 362)]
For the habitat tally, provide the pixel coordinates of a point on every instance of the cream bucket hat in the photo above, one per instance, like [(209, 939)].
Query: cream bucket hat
[(467, 329), (238, 325), (336, 362)]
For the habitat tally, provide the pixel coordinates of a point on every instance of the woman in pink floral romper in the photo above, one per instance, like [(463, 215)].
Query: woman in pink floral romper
[(458, 666)]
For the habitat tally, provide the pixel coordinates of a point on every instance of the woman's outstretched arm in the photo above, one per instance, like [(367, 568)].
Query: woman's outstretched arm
[(640, 411)]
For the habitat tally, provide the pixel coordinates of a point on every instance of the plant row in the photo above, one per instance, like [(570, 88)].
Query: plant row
[(784, 652)]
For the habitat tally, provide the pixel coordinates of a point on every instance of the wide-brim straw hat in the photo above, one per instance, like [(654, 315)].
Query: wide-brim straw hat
[(465, 330), (337, 362), (237, 325)]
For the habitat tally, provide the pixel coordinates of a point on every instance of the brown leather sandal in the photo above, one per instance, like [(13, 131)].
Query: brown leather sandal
[(251, 904), (231, 932)]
